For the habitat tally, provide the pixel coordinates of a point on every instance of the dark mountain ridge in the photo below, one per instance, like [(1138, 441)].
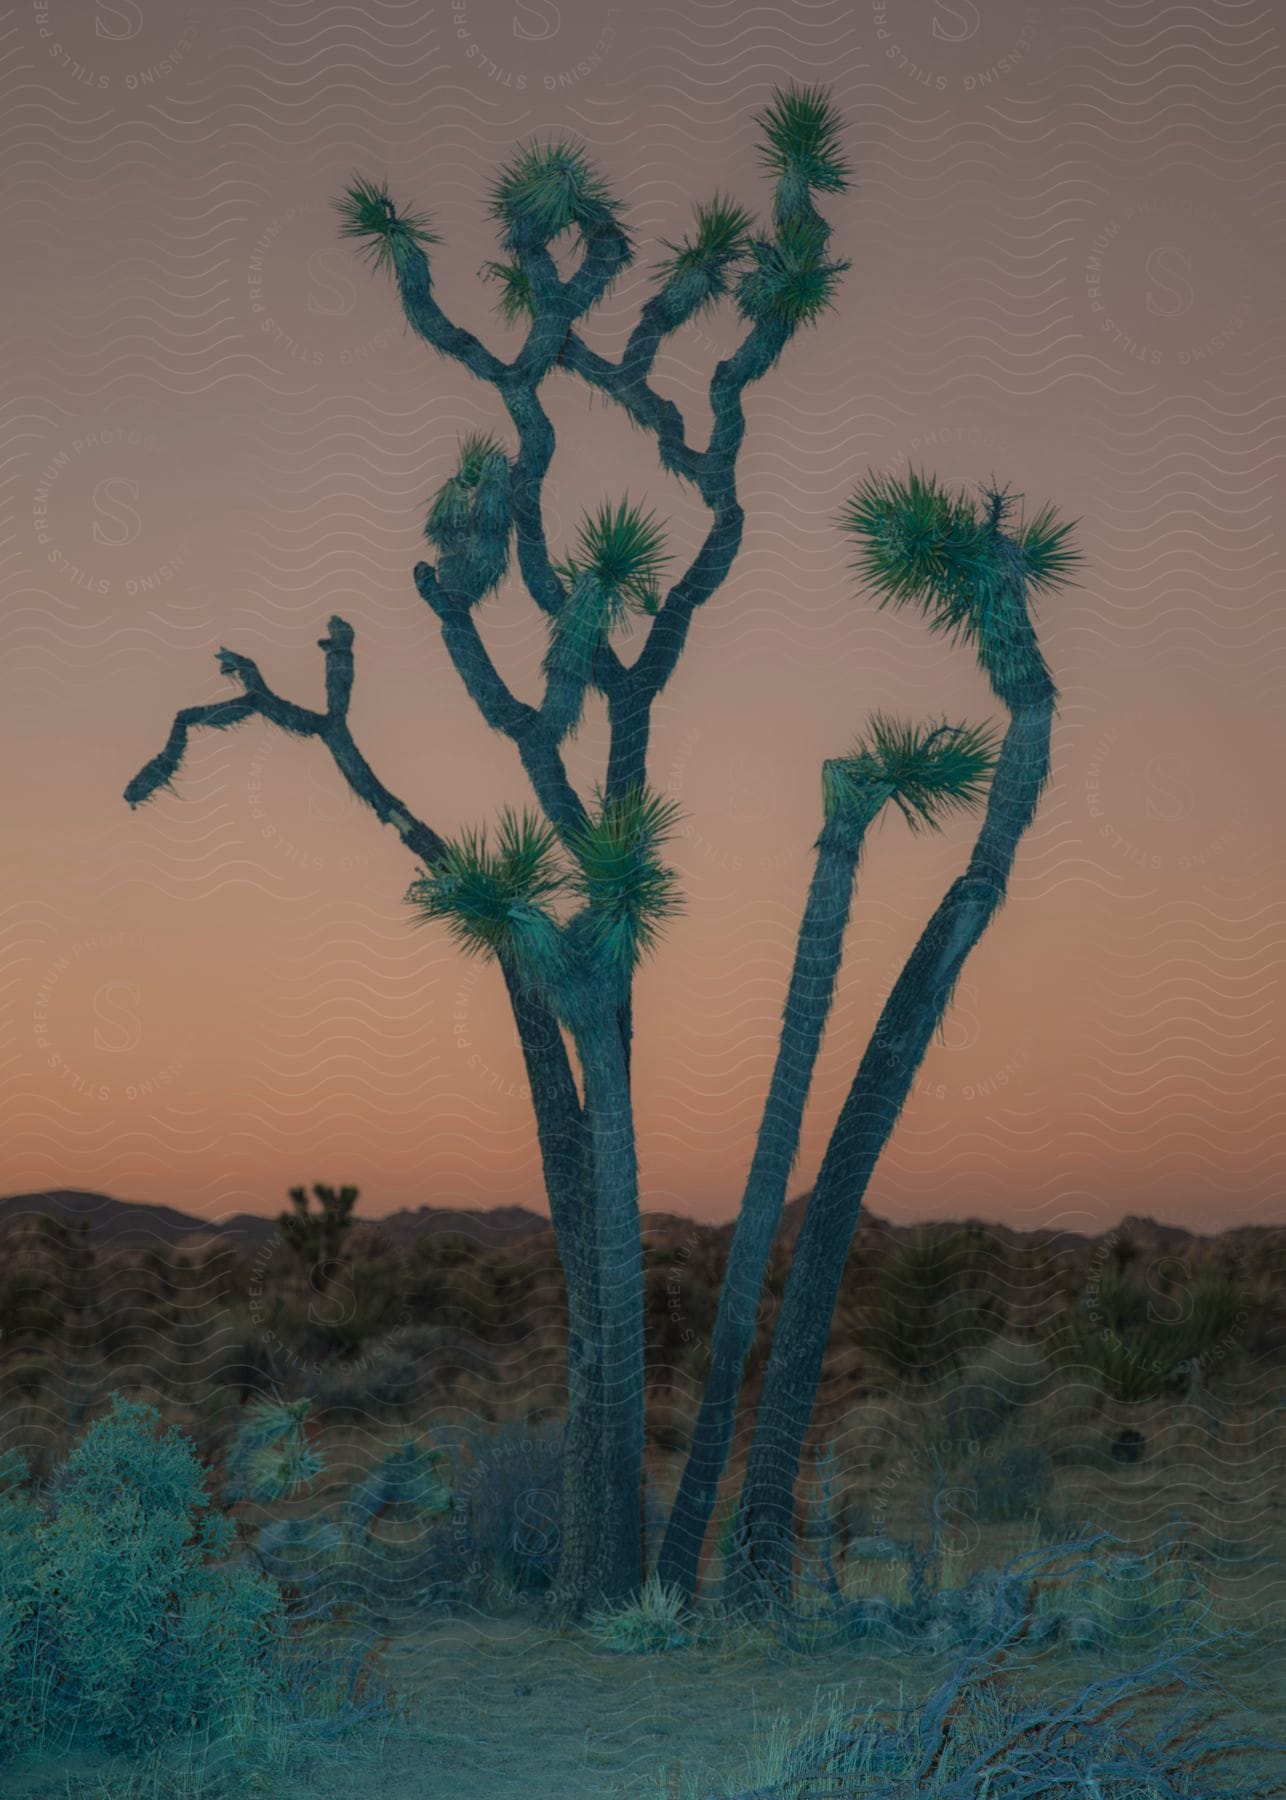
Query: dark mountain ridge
[(128, 1222)]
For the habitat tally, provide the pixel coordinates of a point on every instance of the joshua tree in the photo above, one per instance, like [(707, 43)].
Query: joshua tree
[(317, 1238), (567, 899)]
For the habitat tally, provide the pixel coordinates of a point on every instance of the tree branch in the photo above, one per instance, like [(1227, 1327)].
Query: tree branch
[(331, 727), (427, 319), (501, 709)]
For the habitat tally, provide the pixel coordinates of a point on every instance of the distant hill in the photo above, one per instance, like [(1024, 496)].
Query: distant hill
[(128, 1222), (132, 1222), (112, 1221)]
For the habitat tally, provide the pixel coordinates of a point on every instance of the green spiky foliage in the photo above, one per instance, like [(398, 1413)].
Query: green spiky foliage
[(479, 888), (1049, 560), (612, 574), (517, 300), (388, 238), (960, 561), (802, 135), (623, 550), (696, 273), (470, 515), (918, 542), (271, 1457), (628, 891), (791, 280), (548, 189), (928, 772), (647, 1625)]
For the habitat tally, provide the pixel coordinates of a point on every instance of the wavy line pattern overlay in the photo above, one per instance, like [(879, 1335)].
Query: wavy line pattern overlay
[(1066, 272)]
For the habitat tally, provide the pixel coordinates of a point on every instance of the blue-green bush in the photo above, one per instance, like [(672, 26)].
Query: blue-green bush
[(122, 1621), (127, 1626)]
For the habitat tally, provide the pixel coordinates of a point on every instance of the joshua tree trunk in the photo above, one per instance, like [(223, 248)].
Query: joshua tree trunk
[(602, 1553), (812, 986), (568, 1171), (915, 1008)]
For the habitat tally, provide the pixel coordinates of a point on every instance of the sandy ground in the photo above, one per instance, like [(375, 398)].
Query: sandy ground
[(512, 1711)]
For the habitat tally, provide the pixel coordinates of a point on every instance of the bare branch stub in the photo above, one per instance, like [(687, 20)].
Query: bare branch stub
[(260, 701)]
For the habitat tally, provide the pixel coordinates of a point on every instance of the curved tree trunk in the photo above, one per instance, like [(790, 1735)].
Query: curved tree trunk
[(916, 1006), (818, 954)]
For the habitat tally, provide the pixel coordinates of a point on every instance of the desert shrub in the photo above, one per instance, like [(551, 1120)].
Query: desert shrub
[(978, 1736), (651, 1623), (399, 1556), (129, 1630), (390, 1379), (363, 1301), (410, 1481), (990, 1389), (1139, 1350), (299, 1553), (934, 1303), (346, 1560), (394, 1554), (1010, 1483), (122, 1619), (921, 1596), (19, 1568), (508, 1502), (1130, 1598)]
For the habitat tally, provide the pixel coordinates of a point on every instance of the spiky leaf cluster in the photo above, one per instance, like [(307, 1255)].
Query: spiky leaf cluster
[(517, 300), (622, 550), (928, 772), (548, 189), (697, 271), (470, 514), (791, 278), (1049, 559), (619, 874), (918, 542), (480, 889), (388, 238), (612, 573), (952, 557), (802, 130), (271, 1457)]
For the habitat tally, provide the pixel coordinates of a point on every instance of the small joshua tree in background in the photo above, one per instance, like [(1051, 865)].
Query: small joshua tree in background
[(568, 899), (317, 1238)]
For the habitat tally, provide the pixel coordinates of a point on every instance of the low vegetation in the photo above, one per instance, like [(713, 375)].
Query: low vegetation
[(129, 1625), (328, 1487)]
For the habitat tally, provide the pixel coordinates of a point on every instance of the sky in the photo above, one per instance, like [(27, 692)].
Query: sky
[(1066, 240)]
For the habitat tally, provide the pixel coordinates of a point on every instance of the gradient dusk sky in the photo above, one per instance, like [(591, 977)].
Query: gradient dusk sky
[(1067, 243)]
